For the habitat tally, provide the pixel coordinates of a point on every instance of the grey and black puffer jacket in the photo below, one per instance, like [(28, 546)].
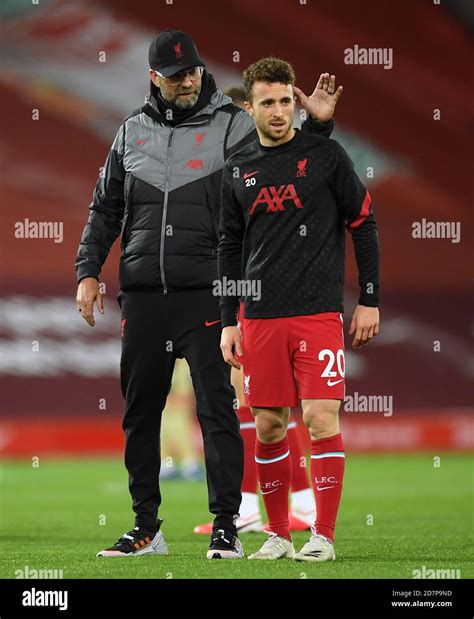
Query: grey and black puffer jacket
[(161, 191)]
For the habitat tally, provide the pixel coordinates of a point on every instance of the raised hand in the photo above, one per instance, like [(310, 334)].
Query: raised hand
[(322, 103)]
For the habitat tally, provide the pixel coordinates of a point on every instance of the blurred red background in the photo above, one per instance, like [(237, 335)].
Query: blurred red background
[(56, 371)]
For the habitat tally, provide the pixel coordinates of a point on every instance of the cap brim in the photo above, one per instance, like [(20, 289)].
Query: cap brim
[(176, 68)]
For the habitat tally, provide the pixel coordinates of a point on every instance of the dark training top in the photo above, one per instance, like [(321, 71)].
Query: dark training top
[(282, 224), (161, 192)]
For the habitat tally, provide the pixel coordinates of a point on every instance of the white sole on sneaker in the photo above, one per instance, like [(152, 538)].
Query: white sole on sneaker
[(226, 554), (310, 559), (158, 546), (259, 557)]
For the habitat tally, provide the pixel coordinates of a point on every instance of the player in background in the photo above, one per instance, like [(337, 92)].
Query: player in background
[(286, 202), (302, 512), (237, 94), (180, 457)]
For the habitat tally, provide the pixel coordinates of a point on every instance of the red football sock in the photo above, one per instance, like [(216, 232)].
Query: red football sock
[(248, 432), (299, 479), (327, 473), (274, 474)]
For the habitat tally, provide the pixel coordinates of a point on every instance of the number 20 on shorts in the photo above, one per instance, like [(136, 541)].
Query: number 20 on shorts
[(337, 359)]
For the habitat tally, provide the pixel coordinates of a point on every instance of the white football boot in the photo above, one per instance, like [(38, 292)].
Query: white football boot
[(318, 548), (276, 547)]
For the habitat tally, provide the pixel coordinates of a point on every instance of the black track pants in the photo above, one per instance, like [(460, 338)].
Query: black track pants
[(156, 330)]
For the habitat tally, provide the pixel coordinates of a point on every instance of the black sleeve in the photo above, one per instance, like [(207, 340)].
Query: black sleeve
[(315, 127), (106, 213), (229, 250), (355, 204)]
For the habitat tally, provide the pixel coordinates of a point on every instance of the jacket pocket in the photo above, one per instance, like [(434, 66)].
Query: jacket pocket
[(213, 226), (128, 185)]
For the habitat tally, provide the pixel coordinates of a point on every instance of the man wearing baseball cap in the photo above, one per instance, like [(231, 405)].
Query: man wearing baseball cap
[(161, 193)]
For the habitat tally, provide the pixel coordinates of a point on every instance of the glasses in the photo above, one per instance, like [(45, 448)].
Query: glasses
[(193, 73)]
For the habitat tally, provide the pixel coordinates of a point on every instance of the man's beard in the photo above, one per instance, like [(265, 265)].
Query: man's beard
[(187, 102), (273, 137)]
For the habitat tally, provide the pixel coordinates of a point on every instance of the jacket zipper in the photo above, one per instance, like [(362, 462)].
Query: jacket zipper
[(165, 207), (163, 220)]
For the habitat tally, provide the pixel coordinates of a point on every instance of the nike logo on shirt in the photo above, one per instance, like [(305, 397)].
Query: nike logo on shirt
[(210, 323)]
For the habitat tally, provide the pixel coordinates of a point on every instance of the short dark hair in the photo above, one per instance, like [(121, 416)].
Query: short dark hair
[(237, 94), (268, 70)]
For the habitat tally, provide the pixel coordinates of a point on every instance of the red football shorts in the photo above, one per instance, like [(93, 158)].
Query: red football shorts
[(293, 358)]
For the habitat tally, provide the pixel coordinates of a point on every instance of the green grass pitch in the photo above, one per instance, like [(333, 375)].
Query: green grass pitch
[(50, 519)]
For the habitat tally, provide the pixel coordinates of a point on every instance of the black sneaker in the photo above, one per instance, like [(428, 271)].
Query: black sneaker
[(224, 545), (139, 541)]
